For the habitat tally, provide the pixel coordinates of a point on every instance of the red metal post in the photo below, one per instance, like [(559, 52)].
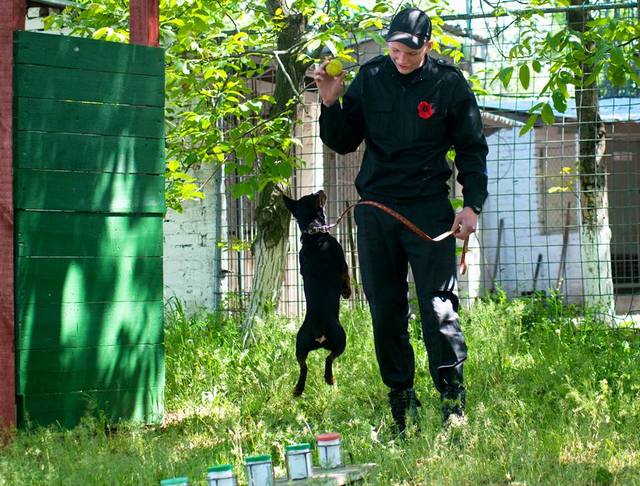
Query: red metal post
[(144, 22), (11, 19)]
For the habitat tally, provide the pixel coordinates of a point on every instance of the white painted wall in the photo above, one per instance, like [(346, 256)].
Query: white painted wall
[(514, 197), (34, 19)]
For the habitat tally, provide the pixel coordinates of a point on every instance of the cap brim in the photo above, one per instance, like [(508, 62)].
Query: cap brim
[(408, 40)]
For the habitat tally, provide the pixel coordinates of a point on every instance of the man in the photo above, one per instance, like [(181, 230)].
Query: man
[(410, 109)]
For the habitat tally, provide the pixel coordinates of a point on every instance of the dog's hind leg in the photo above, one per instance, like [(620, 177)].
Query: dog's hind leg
[(302, 379), (337, 344), (328, 369), (345, 290)]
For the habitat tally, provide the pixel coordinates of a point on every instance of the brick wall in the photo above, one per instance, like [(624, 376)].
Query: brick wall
[(190, 246)]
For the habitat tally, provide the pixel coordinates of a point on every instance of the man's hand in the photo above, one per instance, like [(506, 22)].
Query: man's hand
[(329, 87), (465, 223)]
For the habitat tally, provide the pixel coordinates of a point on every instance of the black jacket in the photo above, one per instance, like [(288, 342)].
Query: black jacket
[(405, 156)]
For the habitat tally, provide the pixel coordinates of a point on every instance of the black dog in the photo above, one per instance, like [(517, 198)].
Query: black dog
[(326, 277)]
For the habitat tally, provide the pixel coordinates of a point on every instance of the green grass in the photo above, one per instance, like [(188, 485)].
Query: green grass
[(549, 402)]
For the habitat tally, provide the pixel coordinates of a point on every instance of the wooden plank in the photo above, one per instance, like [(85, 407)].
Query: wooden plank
[(54, 326), (144, 22), (47, 233), (90, 191), (66, 409), (81, 53), (66, 151), (333, 477), (75, 280), (96, 368), (92, 118), (82, 85), (81, 369), (11, 19)]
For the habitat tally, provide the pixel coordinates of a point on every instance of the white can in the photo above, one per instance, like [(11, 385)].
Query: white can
[(259, 470), (182, 481), (299, 461), (329, 450), (221, 475)]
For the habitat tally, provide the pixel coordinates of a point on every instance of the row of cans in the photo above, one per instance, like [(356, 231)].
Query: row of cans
[(259, 468)]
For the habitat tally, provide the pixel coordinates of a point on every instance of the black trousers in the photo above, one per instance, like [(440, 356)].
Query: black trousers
[(386, 247)]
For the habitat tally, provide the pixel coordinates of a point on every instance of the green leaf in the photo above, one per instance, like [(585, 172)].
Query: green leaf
[(313, 44), (556, 40), (524, 75), (557, 189), (450, 41), (241, 189), (537, 67), (617, 56), (547, 114), (284, 170), (559, 101), (381, 7), (529, 125), (378, 39), (617, 76), (597, 22), (49, 21), (102, 32), (246, 153), (505, 75), (173, 165), (535, 108), (350, 4), (190, 191), (332, 47)]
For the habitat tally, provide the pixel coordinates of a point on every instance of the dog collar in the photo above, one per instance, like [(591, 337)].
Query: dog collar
[(317, 229)]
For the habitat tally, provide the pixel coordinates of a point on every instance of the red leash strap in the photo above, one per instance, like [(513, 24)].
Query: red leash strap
[(414, 228)]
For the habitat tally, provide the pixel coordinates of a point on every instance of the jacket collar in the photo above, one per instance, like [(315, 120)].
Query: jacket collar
[(428, 70)]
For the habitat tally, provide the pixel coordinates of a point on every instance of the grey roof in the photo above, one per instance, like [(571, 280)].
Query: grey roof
[(53, 3), (611, 109)]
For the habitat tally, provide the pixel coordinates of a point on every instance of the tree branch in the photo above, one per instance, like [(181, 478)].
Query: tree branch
[(286, 74)]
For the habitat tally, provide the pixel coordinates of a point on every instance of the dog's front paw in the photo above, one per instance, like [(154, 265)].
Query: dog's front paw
[(297, 391), (329, 379), (346, 286)]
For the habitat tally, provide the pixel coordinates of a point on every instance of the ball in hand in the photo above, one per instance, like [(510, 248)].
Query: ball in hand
[(333, 68)]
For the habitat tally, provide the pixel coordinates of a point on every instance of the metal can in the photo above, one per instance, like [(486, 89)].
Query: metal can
[(221, 475), (259, 470), (329, 450), (299, 461)]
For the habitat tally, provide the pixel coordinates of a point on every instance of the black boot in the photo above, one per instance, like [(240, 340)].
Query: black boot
[(403, 403), (453, 401)]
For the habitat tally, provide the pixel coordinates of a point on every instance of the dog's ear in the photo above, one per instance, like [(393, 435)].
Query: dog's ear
[(290, 204), (321, 199)]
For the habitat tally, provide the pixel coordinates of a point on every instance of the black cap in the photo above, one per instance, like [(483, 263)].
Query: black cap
[(410, 26)]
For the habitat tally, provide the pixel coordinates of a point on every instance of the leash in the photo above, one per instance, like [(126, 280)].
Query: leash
[(403, 220)]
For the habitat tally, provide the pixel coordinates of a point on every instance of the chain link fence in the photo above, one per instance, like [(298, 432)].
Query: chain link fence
[(531, 237)]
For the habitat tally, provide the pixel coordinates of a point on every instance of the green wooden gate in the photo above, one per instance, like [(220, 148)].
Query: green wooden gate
[(89, 206)]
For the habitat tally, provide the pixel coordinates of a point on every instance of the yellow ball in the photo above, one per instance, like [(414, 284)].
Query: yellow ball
[(333, 68)]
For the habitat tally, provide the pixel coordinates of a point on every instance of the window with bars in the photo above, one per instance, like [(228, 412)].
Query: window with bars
[(556, 153)]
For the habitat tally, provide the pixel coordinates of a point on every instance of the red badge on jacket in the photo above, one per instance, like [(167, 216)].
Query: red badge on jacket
[(425, 110)]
